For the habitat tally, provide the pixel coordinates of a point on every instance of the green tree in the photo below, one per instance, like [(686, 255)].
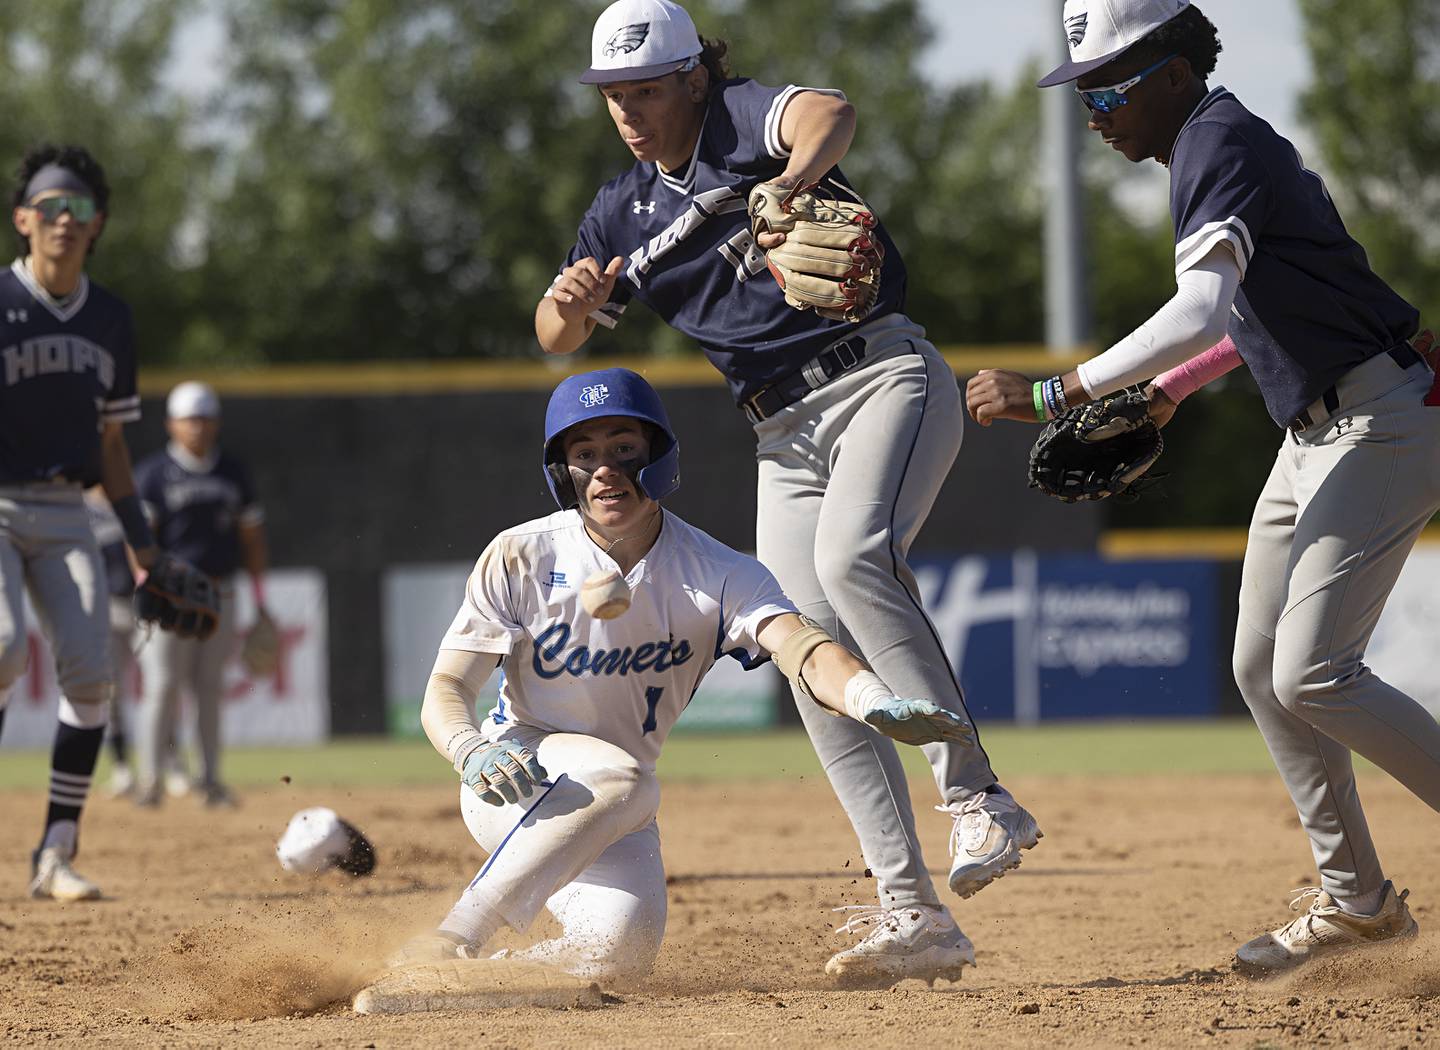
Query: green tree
[(90, 72), (1374, 108)]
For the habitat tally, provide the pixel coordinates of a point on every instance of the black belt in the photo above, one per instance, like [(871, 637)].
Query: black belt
[(829, 363), (1403, 354)]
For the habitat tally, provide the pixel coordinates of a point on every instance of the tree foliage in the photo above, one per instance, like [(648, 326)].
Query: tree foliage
[(1374, 108)]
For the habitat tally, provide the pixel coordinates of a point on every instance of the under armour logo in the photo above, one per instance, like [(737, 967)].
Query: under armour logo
[(22, 315), (594, 396), (626, 39), (1343, 424), (1075, 27), (648, 209)]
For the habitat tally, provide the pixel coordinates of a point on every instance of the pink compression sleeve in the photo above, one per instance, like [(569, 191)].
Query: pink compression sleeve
[(1183, 380)]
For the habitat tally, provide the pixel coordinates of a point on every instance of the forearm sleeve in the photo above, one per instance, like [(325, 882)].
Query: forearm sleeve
[(448, 711), (1183, 380), (1193, 320)]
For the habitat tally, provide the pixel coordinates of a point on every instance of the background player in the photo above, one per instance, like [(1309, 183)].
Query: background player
[(588, 702), (67, 387), (203, 508), (120, 581), (835, 521), (1358, 471)]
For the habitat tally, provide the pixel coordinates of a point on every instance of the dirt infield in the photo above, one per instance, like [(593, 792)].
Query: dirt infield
[(1117, 931)]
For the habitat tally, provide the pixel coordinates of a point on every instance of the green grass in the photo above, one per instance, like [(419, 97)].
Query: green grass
[(1083, 749)]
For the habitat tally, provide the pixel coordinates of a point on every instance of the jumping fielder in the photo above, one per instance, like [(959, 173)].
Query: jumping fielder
[(67, 387), (559, 779), (857, 418), (1268, 275), (203, 507)]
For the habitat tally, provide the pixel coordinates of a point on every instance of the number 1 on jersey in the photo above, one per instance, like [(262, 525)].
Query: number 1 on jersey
[(652, 701)]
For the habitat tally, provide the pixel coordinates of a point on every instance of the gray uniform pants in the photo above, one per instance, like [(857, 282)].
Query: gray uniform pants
[(1334, 524), (46, 545), (847, 477), (169, 665)]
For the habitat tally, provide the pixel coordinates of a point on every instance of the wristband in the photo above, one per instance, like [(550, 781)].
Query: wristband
[(133, 523), (863, 693), (1039, 392), (1062, 404)]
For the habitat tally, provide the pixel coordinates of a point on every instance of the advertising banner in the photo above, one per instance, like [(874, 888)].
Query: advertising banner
[(293, 707)]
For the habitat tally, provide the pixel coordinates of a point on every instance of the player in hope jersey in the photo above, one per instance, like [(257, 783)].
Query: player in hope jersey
[(559, 779), (1269, 276), (836, 519)]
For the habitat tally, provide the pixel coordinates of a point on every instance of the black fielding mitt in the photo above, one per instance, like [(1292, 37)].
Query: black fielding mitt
[(1098, 450), (178, 597)]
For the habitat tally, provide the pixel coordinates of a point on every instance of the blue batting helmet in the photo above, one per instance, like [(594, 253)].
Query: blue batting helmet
[(609, 392)]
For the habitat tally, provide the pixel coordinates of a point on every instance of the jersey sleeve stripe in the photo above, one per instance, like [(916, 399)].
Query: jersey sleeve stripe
[(777, 110), (608, 314), (1196, 246), (125, 415)]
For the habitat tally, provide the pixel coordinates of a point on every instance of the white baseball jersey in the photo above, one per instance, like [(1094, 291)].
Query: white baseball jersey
[(626, 680)]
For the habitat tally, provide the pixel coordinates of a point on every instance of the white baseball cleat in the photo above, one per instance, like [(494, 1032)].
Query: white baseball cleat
[(916, 941), (1324, 928), (122, 782), (990, 830), (55, 879)]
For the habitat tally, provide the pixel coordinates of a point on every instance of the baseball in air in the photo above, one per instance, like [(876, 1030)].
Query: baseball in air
[(605, 595)]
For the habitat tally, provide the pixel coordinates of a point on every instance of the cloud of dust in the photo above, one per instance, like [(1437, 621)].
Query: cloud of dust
[(1409, 968), (276, 960)]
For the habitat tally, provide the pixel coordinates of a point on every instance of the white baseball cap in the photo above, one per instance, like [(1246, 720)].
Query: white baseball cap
[(640, 40), (316, 840), (1100, 30), (193, 398)]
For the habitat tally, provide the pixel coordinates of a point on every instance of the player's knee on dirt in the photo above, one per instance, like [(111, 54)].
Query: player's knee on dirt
[(84, 714)]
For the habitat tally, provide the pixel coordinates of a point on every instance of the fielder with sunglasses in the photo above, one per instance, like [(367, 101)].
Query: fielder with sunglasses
[(67, 388), (1269, 277)]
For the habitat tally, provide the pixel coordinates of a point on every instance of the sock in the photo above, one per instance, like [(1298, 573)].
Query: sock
[(72, 764), (2, 720), (471, 921), (119, 745), (1362, 904)]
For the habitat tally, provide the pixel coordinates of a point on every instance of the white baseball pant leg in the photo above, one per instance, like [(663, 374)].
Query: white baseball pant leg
[(585, 847), (1332, 529), (847, 477)]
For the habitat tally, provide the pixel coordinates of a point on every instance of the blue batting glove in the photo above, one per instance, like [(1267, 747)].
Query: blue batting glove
[(919, 721), (502, 773)]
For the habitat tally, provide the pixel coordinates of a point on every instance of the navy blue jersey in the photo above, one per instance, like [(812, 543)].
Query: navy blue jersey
[(66, 367), (685, 237), (197, 507), (110, 538), (1309, 307)]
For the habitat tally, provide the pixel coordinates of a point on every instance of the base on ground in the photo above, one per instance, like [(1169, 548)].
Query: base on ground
[(475, 984)]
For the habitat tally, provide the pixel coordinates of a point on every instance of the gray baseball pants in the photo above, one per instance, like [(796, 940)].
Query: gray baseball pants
[(46, 545), (1340, 513), (847, 476), (170, 664)]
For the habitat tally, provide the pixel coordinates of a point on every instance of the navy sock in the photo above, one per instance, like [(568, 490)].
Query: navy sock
[(119, 744), (2, 721), (72, 764)]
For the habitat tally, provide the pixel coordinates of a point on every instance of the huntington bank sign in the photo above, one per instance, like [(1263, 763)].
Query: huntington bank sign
[(1053, 637)]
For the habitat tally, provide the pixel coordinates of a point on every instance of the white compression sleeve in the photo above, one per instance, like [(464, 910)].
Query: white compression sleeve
[(448, 711), (1193, 320)]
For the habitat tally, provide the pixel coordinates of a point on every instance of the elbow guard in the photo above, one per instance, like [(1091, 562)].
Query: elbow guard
[(796, 649)]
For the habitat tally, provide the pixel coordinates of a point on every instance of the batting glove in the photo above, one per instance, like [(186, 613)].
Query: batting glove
[(919, 722), (502, 773)]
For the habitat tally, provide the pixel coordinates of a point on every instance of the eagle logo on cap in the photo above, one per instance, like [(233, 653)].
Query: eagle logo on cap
[(626, 39), (1075, 28)]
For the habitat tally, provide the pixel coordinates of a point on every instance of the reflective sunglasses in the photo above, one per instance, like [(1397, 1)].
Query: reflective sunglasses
[(1109, 99), (81, 209)]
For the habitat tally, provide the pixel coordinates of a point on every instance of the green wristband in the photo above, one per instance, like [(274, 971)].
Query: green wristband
[(1039, 402)]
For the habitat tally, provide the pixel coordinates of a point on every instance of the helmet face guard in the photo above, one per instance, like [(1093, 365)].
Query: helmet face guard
[(609, 392)]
